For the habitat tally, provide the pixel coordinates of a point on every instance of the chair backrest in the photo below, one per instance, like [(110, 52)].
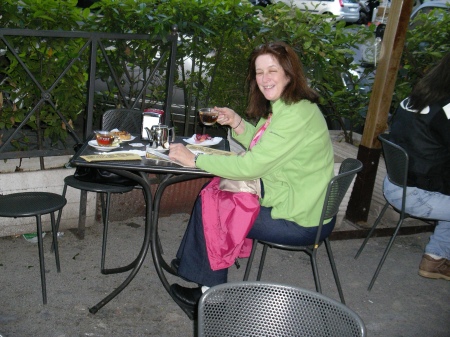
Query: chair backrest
[(271, 309), (338, 186), (123, 119), (396, 160)]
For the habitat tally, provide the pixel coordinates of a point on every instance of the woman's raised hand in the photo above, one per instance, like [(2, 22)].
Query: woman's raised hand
[(227, 116)]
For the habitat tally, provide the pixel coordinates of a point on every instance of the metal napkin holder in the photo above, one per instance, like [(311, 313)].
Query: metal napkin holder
[(150, 117)]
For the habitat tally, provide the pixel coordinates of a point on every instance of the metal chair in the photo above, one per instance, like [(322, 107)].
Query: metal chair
[(123, 119), (337, 187), (19, 205), (270, 309), (397, 161)]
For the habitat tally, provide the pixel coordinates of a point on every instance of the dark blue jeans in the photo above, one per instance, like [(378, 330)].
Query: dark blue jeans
[(194, 263)]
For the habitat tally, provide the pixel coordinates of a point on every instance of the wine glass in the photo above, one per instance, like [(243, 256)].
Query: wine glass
[(208, 116)]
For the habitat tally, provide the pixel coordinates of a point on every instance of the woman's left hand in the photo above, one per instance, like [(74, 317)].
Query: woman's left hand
[(181, 154)]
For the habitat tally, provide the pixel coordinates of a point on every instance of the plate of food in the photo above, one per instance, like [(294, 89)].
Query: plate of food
[(123, 136), (203, 140), (111, 147)]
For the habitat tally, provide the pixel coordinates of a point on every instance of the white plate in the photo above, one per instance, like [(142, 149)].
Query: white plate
[(123, 140), (95, 145), (127, 140), (193, 141)]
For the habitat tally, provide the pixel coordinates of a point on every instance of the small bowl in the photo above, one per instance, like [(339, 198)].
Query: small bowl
[(104, 138)]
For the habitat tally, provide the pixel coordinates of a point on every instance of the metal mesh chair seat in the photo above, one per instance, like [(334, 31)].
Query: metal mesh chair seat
[(397, 162), (336, 190), (95, 187), (18, 205), (30, 204), (270, 309)]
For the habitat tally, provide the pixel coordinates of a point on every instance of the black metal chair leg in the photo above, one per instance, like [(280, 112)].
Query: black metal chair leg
[(386, 252), (261, 263), (315, 271), (377, 221), (250, 260), (105, 212), (59, 219), (334, 269), (60, 211), (41, 258), (55, 241)]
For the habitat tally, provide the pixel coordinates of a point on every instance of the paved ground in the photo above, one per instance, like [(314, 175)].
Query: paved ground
[(401, 303)]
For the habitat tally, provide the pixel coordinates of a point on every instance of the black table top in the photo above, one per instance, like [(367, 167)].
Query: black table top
[(145, 164)]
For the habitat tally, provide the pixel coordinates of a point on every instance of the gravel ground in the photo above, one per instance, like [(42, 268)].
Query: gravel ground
[(400, 304)]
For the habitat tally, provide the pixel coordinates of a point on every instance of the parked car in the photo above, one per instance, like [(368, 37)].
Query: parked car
[(262, 3), (343, 10), (428, 6), (373, 47)]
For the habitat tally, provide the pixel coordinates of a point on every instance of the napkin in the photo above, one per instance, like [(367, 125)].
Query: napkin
[(112, 156)]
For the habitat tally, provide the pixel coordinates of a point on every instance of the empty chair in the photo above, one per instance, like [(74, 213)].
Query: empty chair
[(27, 204), (123, 119), (397, 161), (337, 187), (270, 309)]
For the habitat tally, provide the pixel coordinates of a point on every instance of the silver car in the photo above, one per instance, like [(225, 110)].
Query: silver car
[(344, 10)]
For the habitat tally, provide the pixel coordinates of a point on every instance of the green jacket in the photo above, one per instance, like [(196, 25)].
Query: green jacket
[(294, 158)]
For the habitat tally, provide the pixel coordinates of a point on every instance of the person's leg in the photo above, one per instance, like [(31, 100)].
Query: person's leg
[(284, 231), (420, 203), (194, 264), (429, 205), (440, 240), (435, 262)]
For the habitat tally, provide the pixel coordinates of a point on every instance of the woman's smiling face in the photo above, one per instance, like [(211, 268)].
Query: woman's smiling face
[(270, 76)]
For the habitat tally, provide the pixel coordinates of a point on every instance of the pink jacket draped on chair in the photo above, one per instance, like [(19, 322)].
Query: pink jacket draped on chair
[(227, 219)]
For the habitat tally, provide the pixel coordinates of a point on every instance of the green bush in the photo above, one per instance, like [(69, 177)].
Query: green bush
[(216, 37), (45, 59)]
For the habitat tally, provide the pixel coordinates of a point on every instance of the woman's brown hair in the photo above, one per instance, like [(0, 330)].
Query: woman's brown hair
[(433, 87), (297, 88)]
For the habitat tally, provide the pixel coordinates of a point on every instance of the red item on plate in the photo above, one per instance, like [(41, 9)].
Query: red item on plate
[(199, 138)]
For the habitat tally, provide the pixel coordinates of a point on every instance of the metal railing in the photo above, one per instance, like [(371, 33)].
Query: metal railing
[(94, 49)]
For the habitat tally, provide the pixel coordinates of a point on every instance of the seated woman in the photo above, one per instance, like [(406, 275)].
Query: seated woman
[(421, 125), (289, 149)]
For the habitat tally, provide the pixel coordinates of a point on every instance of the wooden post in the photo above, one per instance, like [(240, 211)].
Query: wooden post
[(380, 101)]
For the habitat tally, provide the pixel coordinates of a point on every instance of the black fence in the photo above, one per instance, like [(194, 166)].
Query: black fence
[(94, 48)]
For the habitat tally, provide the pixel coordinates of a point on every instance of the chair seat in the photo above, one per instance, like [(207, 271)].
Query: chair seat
[(30, 204), (95, 187), (36, 204), (287, 247)]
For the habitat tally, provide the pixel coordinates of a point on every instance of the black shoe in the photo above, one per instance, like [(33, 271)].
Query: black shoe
[(175, 264), (186, 298)]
